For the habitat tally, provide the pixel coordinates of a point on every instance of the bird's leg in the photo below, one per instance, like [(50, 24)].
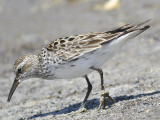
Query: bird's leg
[(82, 109), (104, 93)]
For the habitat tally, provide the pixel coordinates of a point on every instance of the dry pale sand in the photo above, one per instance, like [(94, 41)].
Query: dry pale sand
[(131, 77)]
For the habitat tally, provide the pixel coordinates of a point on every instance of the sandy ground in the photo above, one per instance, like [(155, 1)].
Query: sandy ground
[(131, 77)]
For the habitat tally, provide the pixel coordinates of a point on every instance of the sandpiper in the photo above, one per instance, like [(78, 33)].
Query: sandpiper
[(75, 56)]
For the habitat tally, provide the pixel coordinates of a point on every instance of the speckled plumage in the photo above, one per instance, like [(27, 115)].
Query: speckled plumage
[(75, 56)]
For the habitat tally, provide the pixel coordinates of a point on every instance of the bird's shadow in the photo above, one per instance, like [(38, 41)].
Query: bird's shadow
[(93, 103)]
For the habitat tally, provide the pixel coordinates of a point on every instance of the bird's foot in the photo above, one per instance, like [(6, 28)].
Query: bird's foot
[(82, 109), (103, 101)]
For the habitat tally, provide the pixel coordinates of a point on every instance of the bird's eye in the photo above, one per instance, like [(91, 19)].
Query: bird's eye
[(19, 70)]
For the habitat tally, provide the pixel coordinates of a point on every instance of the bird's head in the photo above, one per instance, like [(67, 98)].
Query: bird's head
[(25, 67)]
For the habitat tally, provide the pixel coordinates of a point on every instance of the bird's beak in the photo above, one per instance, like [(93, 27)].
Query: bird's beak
[(13, 88)]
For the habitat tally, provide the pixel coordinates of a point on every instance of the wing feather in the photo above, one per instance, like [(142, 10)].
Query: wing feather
[(69, 48)]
